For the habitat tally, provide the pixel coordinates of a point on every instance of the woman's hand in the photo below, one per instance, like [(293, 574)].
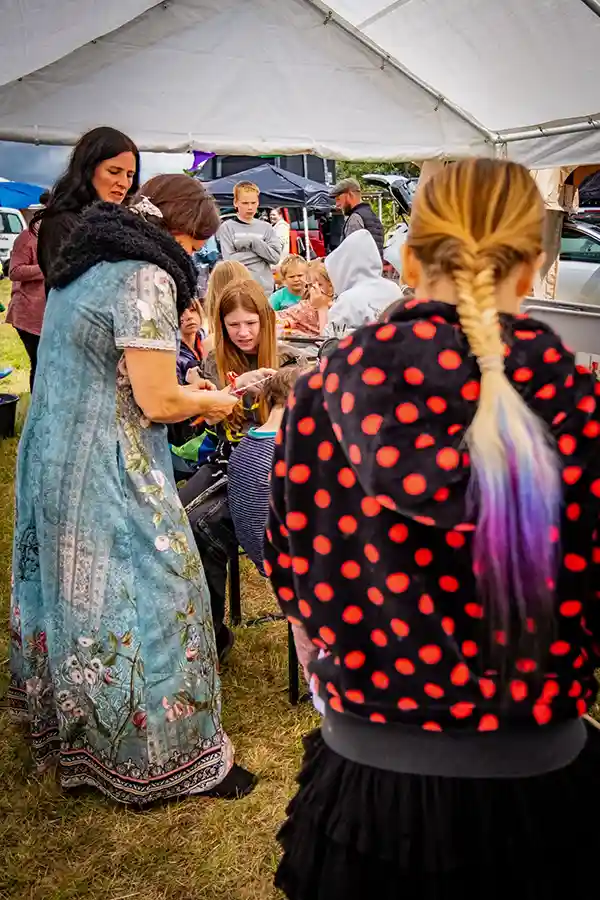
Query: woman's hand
[(194, 376), (218, 405), (201, 384), (246, 381)]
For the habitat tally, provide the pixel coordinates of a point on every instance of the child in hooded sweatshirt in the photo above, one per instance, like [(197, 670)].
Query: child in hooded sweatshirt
[(361, 291)]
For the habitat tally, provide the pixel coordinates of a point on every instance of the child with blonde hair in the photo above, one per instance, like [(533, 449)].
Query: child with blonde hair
[(434, 529), (293, 276)]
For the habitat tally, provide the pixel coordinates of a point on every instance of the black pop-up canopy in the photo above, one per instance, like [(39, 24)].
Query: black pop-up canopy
[(277, 188)]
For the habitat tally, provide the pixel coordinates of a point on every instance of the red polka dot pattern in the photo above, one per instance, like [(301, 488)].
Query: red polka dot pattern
[(426, 605), (414, 484), (407, 413), (437, 404), (371, 424), (367, 550), (424, 330), (306, 426), (370, 507), (523, 375), (448, 459), (470, 391), (387, 457), (355, 356), (386, 333), (374, 376), (413, 376), (332, 383), (449, 359), (424, 441)]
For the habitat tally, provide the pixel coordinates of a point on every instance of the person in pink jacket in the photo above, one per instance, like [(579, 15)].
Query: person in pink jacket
[(28, 298)]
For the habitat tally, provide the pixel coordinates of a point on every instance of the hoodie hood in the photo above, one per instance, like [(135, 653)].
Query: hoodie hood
[(362, 293), (401, 397), (356, 260)]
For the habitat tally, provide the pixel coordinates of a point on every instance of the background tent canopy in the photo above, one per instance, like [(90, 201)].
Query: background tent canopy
[(18, 195), (346, 79), (277, 188)]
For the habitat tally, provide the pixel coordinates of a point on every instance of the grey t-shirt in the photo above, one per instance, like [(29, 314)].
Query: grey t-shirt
[(255, 245)]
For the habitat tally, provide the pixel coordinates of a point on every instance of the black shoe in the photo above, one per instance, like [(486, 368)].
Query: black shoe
[(225, 640), (237, 783)]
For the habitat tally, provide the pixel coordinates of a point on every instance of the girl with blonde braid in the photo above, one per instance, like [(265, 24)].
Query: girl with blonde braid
[(434, 529)]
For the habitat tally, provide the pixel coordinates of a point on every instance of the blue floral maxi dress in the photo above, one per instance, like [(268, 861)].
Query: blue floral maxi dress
[(113, 659)]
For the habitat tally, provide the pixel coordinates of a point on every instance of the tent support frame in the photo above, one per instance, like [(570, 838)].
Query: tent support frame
[(387, 60), (592, 123), (593, 5)]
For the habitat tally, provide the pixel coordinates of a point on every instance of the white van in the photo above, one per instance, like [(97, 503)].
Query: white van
[(12, 224)]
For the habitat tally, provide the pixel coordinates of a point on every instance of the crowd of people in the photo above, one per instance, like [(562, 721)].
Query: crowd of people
[(424, 500)]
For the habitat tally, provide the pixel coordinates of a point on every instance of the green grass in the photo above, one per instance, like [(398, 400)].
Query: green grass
[(59, 847)]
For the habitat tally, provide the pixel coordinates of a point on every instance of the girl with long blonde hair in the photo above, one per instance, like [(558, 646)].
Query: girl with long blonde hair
[(434, 528), (245, 344), (225, 271)]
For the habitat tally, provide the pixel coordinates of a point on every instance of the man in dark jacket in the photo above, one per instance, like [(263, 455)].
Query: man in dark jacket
[(348, 198)]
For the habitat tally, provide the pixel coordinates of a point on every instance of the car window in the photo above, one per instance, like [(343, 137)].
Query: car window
[(10, 224), (578, 247), (297, 220)]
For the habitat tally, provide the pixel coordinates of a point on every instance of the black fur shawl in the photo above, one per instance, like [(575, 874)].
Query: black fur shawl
[(110, 233)]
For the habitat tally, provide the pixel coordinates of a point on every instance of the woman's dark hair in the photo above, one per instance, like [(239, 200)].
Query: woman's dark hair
[(74, 189), (185, 204)]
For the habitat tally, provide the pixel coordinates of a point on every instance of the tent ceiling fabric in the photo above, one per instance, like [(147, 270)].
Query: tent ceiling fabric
[(354, 79), (35, 33), (511, 64), (235, 76)]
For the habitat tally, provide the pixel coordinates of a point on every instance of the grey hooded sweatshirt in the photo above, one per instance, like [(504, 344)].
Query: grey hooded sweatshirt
[(255, 245), (362, 293)]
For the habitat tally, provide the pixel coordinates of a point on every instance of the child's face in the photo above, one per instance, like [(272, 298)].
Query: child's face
[(295, 279)]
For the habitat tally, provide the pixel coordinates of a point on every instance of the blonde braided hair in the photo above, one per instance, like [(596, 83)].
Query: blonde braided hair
[(474, 222)]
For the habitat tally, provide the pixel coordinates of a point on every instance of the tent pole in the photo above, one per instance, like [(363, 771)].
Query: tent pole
[(306, 234), (388, 60), (537, 131), (593, 5)]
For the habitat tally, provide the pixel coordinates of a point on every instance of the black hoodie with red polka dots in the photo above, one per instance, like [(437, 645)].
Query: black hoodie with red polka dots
[(369, 544)]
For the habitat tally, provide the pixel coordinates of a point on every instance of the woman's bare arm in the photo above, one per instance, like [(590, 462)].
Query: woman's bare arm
[(154, 382)]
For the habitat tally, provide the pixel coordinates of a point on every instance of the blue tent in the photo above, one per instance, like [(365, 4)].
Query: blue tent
[(19, 195), (277, 188)]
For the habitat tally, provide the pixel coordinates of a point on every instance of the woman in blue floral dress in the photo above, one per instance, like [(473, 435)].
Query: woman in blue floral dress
[(113, 659)]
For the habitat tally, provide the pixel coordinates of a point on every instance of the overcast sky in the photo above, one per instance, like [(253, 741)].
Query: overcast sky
[(43, 165)]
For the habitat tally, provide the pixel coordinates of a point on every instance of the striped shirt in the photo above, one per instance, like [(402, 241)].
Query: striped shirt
[(248, 486)]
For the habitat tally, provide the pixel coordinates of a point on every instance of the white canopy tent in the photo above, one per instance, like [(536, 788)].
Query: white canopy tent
[(349, 79)]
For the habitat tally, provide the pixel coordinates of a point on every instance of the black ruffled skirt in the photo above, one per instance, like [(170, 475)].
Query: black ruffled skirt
[(357, 832)]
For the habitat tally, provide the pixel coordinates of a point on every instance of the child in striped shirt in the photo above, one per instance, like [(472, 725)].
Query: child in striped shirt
[(249, 488)]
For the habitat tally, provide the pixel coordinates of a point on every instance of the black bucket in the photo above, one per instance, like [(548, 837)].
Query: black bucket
[(8, 414)]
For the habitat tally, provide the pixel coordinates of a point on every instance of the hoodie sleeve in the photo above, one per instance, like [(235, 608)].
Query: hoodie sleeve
[(278, 562)]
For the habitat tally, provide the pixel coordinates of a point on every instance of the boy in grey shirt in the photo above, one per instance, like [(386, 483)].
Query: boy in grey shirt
[(249, 240)]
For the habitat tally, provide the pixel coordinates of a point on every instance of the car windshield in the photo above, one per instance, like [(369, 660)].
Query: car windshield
[(10, 223)]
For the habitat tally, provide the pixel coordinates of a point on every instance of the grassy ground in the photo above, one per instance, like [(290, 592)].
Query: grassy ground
[(57, 847)]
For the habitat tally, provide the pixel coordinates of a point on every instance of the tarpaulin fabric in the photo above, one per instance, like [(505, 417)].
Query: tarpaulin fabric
[(19, 195), (348, 79), (277, 188)]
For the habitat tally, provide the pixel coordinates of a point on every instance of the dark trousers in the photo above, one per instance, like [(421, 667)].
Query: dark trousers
[(205, 499), (30, 342)]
